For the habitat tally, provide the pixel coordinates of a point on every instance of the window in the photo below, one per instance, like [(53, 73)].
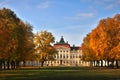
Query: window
[(79, 56), (70, 56), (76, 62), (67, 56), (60, 55), (76, 56), (60, 51), (63, 55), (54, 56)]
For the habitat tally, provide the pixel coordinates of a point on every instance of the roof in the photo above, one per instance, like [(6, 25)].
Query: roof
[(75, 48), (66, 44), (62, 40), (62, 43)]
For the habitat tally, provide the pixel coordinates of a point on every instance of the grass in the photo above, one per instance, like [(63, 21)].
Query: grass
[(61, 73)]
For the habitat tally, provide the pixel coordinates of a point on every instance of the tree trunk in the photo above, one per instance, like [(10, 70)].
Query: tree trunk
[(101, 63), (94, 63), (14, 64), (8, 65), (11, 65), (98, 63), (4, 65), (42, 63), (108, 63), (117, 66), (0, 65), (24, 63), (105, 63), (112, 65), (17, 64)]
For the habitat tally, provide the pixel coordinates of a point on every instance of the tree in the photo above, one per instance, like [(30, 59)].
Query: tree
[(9, 22), (15, 39), (115, 50), (104, 40), (43, 48), (27, 49), (88, 54), (98, 41)]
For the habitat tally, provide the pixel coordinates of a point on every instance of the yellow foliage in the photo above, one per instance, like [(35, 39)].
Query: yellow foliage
[(43, 48)]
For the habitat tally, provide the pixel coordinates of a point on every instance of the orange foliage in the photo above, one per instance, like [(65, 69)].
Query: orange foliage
[(104, 40)]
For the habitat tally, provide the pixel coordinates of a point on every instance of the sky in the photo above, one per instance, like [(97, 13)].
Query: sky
[(72, 19)]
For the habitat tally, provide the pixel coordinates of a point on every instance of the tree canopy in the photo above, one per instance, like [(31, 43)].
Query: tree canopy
[(43, 46), (104, 40), (15, 38)]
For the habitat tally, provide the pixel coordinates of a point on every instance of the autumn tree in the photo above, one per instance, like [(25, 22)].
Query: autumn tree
[(98, 42), (88, 54), (15, 36), (104, 40), (115, 50), (27, 49), (43, 46), (8, 26)]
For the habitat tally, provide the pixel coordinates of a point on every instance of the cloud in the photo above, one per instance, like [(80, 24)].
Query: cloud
[(44, 5), (81, 16), (85, 15), (107, 4), (3, 2), (113, 4)]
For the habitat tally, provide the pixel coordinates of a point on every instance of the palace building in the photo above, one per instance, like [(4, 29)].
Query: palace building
[(67, 55)]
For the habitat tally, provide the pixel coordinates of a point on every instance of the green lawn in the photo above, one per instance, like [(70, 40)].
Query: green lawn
[(61, 73)]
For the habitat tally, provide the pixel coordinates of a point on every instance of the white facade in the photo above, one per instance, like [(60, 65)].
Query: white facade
[(67, 55)]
